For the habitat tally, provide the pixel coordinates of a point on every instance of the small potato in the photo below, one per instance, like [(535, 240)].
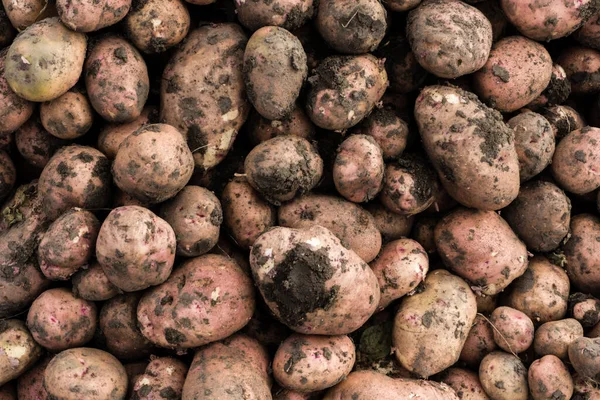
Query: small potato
[(392, 226), (46, 43), (582, 66), (58, 320), (352, 26), (513, 331), (30, 385), (400, 267), (486, 304), (404, 72), (583, 355), (557, 91), (480, 247), (309, 363), (135, 248), (503, 377), (288, 14), (18, 350), (111, 137), (353, 225), (76, 176), (274, 52), (85, 373), (14, 110), (564, 120), (8, 175), (343, 291), (92, 284), (550, 379), (585, 309), (163, 378), (581, 253), (245, 214), (195, 215), (344, 89), (516, 73), (358, 169), (116, 79), (534, 141), (85, 16), (554, 337), (118, 319), (409, 185), (575, 160), (480, 342), (465, 383), (206, 299), (388, 129), (541, 292), (589, 33), (67, 117), (424, 232), (296, 123), (35, 144), (449, 38), (283, 167), (431, 327)]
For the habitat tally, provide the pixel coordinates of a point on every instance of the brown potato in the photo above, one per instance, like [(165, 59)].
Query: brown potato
[(503, 377), (401, 5), (513, 329), (30, 385), (388, 129), (583, 355), (404, 72), (163, 378), (309, 362), (35, 144), (486, 304), (83, 16), (392, 226), (575, 160), (557, 91), (449, 38), (67, 117), (550, 379), (24, 13), (18, 352), (554, 337), (582, 66), (465, 383), (8, 175), (580, 252), (296, 123), (111, 137), (564, 120), (14, 110), (92, 284), (46, 43), (480, 341), (288, 14)]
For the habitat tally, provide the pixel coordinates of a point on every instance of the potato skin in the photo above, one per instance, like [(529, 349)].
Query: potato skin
[(575, 159), (24, 13), (557, 91), (19, 350), (392, 226), (58, 320), (8, 175), (14, 110), (35, 144), (288, 14), (308, 363), (480, 247), (30, 385), (456, 41), (163, 378), (85, 373), (135, 248), (331, 104), (206, 299), (83, 16), (427, 340), (549, 379), (353, 225), (503, 377), (311, 282), (564, 120), (209, 119), (480, 342), (296, 123), (45, 43), (554, 337), (21, 284), (583, 355), (580, 252), (92, 284), (589, 33), (465, 383), (68, 116), (513, 331), (112, 135), (482, 142), (582, 66), (388, 129)]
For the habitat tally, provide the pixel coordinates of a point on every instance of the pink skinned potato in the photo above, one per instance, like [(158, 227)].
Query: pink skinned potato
[(288, 14), (391, 225), (575, 161), (503, 376), (549, 379), (69, 116), (582, 66), (513, 330), (465, 383), (14, 110), (388, 129), (35, 144), (83, 16), (554, 337), (580, 252), (296, 123), (163, 378), (112, 135), (91, 283)]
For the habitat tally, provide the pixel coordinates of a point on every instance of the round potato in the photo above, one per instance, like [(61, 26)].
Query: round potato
[(550, 379), (18, 350), (504, 377), (14, 110), (480, 341), (575, 160), (296, 123), (388, 129), (288, 14), (582, 66), (67, 117), (35, 144), (85, 16), (583, 355), (554, 337), (513, 330), (465, 383), (163, 378), (92, 284), (392, 226)]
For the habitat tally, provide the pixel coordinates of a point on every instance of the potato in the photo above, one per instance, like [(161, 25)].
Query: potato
[(274, 52), (35, 144), (14, 110), (589, 33), (367, 385), (351, 27), (164, 378), (575, 159), (283, 167), (583, 355), (24, 13), (209, 119), (400, 267), (409, 185), (8, 175), (86, 373), (401, 5), (344, 89), (116, 79), (206, 299), (584, 308), (358, 168), (21, 284), (449, 38), (245, 214), (461, 135), (585, 388), (288, 14), (541, 292), (388, 129), (67, 117), (118, 319), (308, 363), (232, 369), (392, 226), (480, 247), (503, 377), (557, 91), (311, 282), (480, 341), (405, 73), (516, 73), (33, 63), (534, 142), (18, 350), (83, 16), (424, 232), (554, 337), (564, 119), (76, 176), (580, 252), (30, 385), (465, 383), (92, 284), (135, 248), (111, 137), (296, 123), (58, 320), (486, 304), (550, 379), (582, 66), (431, 327), (513, 329), (354, 226)]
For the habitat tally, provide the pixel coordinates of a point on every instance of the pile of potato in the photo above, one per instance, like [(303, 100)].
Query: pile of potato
[(299, 199)]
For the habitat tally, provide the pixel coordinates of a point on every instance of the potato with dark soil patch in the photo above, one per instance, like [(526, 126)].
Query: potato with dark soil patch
[(550, 379), (583, 355), (135, 248), (582, 66), (557, 91), (14, 110), (8, 175), (480, 342), (424, 232), (554, 337), (35, 144), (391, 225), (163, 378), (564, 120), (504, 377), (296, 123), (30, 385), (465, 383), (18, 350), (85, 16), (584, 308), (288, 14), (576, 159), (113, 134), (92, 284), (388, 129), (58, 320), (206, 299), (69, 116)]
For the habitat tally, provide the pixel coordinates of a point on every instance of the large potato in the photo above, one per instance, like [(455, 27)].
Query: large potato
[(211, 59), (575, 161), (18, 350), (311, 282), (581, 252), (88, 16), (470, 147), (504, 377), (431, 327), (35, 65), (14, 110)]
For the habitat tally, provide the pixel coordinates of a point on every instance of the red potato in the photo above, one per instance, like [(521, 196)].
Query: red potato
[(503, 377), (163, 378), (111, 137), (480, 342), (550, 379), (35, 144), (575, 160), (583, 355), (8, 175), (92, 284), (388, 129), (83, 16), (465, 383), (24, 13), (554, 337), (557, 91), (18, 350), (68, 116), (288, 14), (14, 110), (30, 385), (513, 330), (296, 123), (392, 226), (582, 66), (403, 69)]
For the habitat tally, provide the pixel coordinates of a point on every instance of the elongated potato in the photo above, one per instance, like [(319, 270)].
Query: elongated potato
[(18, 350), (576, 159), (554, 337), (580, 252), (504, 377)]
